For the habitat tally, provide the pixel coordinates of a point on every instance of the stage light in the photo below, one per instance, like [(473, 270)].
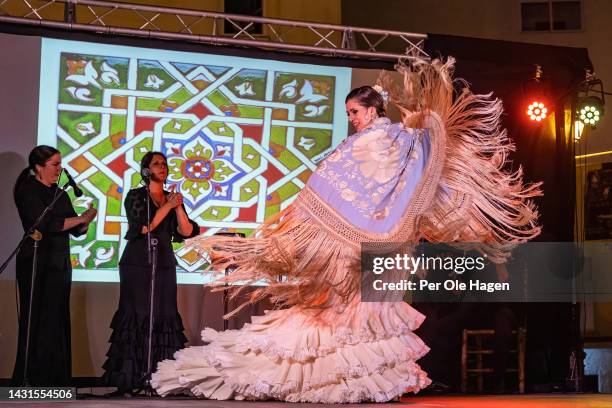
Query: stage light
[(590, 110), (590, 101), (537, 111), (536, 93)]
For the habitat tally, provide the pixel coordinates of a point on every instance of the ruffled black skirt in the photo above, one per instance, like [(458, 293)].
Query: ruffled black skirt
[(126, 366)]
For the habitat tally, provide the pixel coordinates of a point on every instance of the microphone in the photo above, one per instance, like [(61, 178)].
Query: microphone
[(77, 191), (146, 175)]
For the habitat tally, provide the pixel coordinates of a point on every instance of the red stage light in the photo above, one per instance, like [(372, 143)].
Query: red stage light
[(537, 111)]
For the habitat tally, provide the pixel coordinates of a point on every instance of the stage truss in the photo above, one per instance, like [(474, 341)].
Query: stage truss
[(114, 18), (93, 89)]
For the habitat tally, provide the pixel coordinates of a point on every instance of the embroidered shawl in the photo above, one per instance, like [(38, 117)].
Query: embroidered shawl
[(439, 175)]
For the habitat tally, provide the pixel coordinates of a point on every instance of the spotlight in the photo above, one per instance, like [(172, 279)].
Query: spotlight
[(537, 110), (590, 110), (535, 91), (590, 106)]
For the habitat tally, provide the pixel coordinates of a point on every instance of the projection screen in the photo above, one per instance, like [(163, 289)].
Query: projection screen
[(241, 135)]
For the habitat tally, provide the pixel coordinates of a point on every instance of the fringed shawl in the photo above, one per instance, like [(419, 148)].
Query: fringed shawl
[(438, 176)]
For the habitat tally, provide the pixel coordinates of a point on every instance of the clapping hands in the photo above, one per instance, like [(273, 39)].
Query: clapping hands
[(174, 200)]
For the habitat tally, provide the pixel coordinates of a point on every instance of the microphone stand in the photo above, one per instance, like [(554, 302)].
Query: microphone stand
[(36, 236), (226, 272), (152, 258)]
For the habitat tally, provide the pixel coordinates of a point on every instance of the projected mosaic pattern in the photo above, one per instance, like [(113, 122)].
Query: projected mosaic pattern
[(240, 142)]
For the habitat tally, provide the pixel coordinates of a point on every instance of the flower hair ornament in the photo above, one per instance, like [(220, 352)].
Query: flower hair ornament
[(382, 92)]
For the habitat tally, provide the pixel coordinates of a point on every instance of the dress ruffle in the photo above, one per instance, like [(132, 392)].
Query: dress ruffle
[(295, 355), (127, 356)]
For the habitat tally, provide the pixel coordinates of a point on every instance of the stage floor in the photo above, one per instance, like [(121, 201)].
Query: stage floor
[(459, 401)]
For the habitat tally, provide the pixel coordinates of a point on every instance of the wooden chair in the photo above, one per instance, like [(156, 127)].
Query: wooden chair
[(474, 349)]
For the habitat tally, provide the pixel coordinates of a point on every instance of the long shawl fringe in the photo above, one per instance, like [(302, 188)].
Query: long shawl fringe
[(478, 201), (293, 254)]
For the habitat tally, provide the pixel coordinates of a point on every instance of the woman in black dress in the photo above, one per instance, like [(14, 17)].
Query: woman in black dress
[(126, 364), (49, 360)]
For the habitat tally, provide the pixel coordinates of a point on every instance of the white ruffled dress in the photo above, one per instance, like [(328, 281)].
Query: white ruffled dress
[(366, 352)]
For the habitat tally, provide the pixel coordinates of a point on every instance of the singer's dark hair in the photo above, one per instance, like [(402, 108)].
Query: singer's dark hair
[(146, 160), (39, 155)]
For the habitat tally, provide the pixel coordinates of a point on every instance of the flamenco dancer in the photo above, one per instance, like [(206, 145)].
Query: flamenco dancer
[(439, 175)]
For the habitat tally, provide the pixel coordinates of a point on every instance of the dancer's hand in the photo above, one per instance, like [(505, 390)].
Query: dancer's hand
[(502, 273), (421, 273)]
